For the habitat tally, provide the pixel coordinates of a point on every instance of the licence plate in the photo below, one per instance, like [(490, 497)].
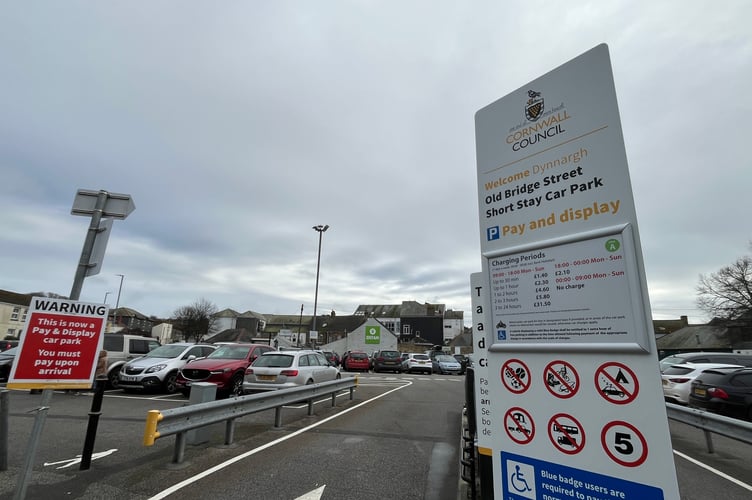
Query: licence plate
[(700, 392), (266, 377), (126, 378)]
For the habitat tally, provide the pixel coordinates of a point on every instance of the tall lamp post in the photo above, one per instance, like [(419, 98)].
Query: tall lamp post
[(105, 297), (117, 302), (321, 230)]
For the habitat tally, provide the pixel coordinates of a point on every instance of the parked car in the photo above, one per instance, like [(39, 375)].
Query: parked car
[(357, 361), (6, 362), (333, 357), (121, 348), (445, 364), (7, 344), (158, 369), (225, 367), (386, 360), (279, 370), (417, 363), (726, 391), (730, 358), (463, 360), (677, 379)]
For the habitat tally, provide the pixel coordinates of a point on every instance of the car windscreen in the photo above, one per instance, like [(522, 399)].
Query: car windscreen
[(389, 354), (230, 352), (358, 355), (446, 359), (421, 357), (166, 351), (274, 360)]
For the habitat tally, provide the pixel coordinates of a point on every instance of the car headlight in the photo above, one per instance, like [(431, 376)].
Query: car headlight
[(156, 368)]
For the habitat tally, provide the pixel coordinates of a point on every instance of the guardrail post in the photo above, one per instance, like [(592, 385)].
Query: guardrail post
[(278, 417), (230, 431), (334, 399), (310, 407), (352, 392), (709, 440), (179, 452)]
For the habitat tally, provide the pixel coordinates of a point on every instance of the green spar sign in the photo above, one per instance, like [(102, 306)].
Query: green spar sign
[(373, 335)]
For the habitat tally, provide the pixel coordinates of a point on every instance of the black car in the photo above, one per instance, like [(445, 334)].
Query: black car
[(387, 360), (726, 391), (7, 344), (6, 362)]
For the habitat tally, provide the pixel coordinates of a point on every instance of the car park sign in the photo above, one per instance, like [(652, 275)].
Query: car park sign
[(60, 345), (574, 402)]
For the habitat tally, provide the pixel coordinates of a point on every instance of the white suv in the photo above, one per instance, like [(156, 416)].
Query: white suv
[(158, 368)]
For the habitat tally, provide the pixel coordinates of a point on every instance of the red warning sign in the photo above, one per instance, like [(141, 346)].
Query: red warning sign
[(561, 379), (519, 425), (616, 383), (624, 444), (515, 375), (566, 433)]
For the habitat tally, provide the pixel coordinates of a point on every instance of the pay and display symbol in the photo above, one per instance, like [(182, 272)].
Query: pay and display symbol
[(492, 233)]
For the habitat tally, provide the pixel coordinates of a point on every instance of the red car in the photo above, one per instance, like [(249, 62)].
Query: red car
[(224, 367), (357, 361)]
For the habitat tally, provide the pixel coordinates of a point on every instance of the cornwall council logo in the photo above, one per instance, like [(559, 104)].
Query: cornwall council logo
[(534, 105)]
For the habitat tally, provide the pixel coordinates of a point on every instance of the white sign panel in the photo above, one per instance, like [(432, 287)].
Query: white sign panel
[(575, 397)]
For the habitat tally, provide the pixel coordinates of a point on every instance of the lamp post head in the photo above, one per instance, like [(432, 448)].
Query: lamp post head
[(320, 228)]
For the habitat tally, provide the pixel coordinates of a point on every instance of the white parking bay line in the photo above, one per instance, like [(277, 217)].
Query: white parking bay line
[(714, 471)]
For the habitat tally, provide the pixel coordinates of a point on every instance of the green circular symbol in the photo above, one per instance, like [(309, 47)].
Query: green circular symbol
[(612, 245)]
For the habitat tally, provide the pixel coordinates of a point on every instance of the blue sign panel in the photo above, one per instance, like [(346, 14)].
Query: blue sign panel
[(526, 478)]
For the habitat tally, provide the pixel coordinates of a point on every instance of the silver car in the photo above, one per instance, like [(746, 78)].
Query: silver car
[(281, 369), (159, 367), (444, 363)]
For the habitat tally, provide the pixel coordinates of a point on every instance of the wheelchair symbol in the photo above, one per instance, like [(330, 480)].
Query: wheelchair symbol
[(519, 482)]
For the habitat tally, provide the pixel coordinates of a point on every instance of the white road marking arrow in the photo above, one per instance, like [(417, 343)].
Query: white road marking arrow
[(313, 495), (73, 461)]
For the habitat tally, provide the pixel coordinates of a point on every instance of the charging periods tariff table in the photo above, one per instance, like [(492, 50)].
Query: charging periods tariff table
[(562, 293)]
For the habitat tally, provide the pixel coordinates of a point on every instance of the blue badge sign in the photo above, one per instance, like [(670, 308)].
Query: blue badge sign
[(528, 479)]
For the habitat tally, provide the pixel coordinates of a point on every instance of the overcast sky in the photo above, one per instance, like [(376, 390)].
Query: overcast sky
[(236, 126)]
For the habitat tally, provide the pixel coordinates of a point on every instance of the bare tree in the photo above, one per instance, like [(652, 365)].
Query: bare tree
[(728, 292), (195, 320)]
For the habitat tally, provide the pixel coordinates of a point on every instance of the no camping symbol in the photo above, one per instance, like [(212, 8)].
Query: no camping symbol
[(515, 376), (616, 383), (561, 379)]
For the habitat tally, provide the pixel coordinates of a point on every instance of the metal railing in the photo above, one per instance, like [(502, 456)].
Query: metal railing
[(178, 421), (710, 423)]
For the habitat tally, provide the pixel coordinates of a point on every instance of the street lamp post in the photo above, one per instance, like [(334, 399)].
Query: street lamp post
[(117, 302), (105, 297), (319, 229)]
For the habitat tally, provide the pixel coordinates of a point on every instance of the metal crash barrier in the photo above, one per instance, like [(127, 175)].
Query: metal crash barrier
[(710, 423), (178, 421)]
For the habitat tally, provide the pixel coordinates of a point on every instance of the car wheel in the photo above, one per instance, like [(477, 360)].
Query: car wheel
[(112, 378), (236, 386), (309, 382), (169, 384), (339, 376)]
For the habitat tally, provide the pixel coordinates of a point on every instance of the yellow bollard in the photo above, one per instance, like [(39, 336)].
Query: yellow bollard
[(150, 431)]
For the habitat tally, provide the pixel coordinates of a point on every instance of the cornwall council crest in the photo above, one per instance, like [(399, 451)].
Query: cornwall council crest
[(534, 105)]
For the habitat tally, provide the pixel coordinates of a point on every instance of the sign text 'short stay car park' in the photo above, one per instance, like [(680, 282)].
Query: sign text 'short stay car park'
[(60, 346), (572, 405)]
